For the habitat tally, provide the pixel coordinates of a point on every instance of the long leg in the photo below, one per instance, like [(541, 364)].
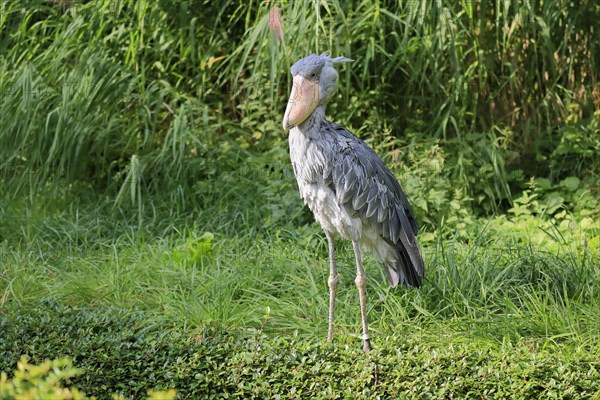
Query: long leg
[(332, 282), (361, 284)]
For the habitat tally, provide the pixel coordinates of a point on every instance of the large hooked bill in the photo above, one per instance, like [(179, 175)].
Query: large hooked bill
[(304, 98)]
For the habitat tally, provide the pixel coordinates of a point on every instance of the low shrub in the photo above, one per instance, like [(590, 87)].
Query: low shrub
[(44, 382), (130, 354)]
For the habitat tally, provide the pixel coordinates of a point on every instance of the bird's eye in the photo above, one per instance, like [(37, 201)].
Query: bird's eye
[(313, 75)]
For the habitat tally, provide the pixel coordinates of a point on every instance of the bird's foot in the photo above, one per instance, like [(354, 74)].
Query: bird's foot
[(367, 346)]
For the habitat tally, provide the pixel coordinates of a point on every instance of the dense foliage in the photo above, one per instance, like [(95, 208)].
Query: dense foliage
[(46, 381), (120, 354), (165, 95), (151, 230)]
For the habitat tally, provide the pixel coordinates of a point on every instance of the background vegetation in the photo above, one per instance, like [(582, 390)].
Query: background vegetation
[(143, 171)]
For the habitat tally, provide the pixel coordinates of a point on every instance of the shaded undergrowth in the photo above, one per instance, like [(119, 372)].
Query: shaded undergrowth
[(123, 354)]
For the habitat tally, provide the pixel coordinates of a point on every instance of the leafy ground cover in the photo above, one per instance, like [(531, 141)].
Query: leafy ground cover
[(124, 354)]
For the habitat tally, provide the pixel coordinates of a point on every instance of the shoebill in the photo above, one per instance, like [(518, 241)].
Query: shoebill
[(351, 192)]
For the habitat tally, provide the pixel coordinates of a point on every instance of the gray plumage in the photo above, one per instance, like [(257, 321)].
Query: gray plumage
[(350, 191), (331, 159)]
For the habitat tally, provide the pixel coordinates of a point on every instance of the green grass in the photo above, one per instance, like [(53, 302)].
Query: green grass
[(192, 271), (509, 305), (509, 90), (188, 302)]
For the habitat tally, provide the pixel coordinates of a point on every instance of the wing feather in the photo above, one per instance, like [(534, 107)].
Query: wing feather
[(363, 183), (360, 199)]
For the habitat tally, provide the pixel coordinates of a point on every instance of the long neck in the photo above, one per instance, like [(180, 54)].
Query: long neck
[(311, 125)]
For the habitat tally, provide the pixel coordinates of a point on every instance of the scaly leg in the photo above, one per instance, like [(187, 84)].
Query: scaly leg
[(332, 282), (361, 284)]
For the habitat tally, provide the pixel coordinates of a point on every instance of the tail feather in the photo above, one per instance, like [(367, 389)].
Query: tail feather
[(407, 267)]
